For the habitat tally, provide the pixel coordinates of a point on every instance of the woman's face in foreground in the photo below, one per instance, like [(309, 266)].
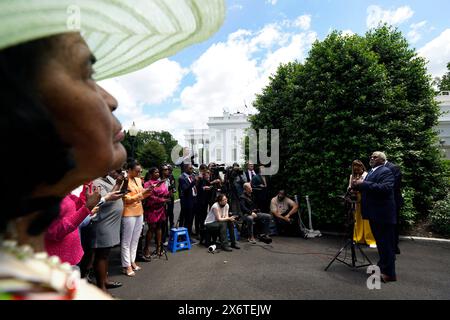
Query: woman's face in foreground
[(81, 109)]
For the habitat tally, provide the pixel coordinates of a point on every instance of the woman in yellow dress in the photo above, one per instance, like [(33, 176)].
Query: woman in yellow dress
[(362, 232)]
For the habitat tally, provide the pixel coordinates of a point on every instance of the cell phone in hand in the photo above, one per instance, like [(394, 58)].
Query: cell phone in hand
[(158, 184), (124, 187)]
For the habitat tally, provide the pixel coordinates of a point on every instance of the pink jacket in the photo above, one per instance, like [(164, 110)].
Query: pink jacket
[(62, 238)]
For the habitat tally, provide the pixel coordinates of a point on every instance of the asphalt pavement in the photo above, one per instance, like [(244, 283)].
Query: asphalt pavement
[(288, 268)]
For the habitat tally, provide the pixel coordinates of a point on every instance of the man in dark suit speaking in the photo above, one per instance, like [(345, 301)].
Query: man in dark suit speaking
[(378, 206)]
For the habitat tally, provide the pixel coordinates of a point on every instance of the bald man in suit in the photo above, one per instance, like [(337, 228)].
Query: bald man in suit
[(378, 206)]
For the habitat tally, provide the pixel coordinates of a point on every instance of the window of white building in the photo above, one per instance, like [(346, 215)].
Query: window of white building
[(218, 155)]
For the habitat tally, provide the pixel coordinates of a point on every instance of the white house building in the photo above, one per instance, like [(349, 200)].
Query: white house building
[(222, 142), (444, 122)]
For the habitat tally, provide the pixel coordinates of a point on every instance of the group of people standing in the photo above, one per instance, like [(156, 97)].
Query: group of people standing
[(110, 211), (378, 204), (205, 197)]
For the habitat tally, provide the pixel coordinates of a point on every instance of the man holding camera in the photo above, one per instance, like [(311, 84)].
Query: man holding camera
[(284, 212), (235, 185), (187, 187), (215, 181), (378, 206), (251, 213), (203, 198)]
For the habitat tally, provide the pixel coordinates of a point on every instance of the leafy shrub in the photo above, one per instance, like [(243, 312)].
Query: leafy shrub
[(440, 216), (354, 95), (408, 212)]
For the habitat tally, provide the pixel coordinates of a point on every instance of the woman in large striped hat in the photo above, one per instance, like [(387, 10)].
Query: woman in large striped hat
[(57, 123)]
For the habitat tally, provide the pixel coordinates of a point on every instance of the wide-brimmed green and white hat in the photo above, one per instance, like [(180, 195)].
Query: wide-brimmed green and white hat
[(125, 35)]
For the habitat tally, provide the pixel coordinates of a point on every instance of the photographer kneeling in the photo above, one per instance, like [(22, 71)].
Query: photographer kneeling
[(218, 218), (251, 213)]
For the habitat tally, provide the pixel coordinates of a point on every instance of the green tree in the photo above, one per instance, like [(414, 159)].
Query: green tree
[(444, 82), (152, 154), (353, 95), (165, 139), (143, 137)]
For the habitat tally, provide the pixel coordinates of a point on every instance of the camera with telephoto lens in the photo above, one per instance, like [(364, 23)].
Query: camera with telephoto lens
[(233, 172), (215, 169)]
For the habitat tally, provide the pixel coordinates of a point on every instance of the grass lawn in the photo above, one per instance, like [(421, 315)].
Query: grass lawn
[(176, 173)]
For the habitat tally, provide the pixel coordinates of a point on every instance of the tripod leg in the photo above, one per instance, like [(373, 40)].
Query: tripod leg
[(163, 250), (364, 255), (353, 254), (337, 255)]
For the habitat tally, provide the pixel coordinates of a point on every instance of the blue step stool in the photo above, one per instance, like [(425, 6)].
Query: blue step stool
[(179, 240), (236, 234)]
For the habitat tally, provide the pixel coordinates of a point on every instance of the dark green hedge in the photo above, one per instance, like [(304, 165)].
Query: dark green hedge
[(352, 96)]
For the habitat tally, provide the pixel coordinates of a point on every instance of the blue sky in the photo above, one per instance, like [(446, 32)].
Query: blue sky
[(228, 69)]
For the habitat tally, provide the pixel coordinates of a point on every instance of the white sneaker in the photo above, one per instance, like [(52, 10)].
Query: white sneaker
[(373, 246)]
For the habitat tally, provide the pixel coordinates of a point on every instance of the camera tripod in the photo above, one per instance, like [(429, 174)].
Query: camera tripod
[(351, 243), (162, 251)]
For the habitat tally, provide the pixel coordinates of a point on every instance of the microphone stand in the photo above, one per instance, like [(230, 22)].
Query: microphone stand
[(351, 243)]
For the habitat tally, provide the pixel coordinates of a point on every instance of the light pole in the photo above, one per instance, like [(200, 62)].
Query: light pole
[(200, 147), (133, 131)]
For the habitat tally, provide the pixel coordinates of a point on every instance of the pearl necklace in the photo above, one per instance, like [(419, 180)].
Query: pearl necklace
[(23, 264)]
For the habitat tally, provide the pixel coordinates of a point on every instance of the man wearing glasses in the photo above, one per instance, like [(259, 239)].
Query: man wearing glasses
[(378, 206)]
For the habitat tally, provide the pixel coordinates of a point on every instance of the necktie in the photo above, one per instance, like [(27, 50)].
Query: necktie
[(194, 188), (369, 174)]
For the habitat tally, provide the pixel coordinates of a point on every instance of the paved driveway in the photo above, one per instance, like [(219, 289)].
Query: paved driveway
[(289, 268)]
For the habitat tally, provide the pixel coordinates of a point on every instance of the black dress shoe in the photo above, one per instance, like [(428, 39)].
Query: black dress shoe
[(266, 239), (386, 278), (226, 248), (143, 259), (235, 246), (113, 284)]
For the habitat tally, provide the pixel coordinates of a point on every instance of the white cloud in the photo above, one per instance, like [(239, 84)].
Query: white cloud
[(225, 75), (232, 72), (376, 14), (437, 52), (272, 2), (154, 84), (347, 32), (267, 37), (414, 34), (303, 22)]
